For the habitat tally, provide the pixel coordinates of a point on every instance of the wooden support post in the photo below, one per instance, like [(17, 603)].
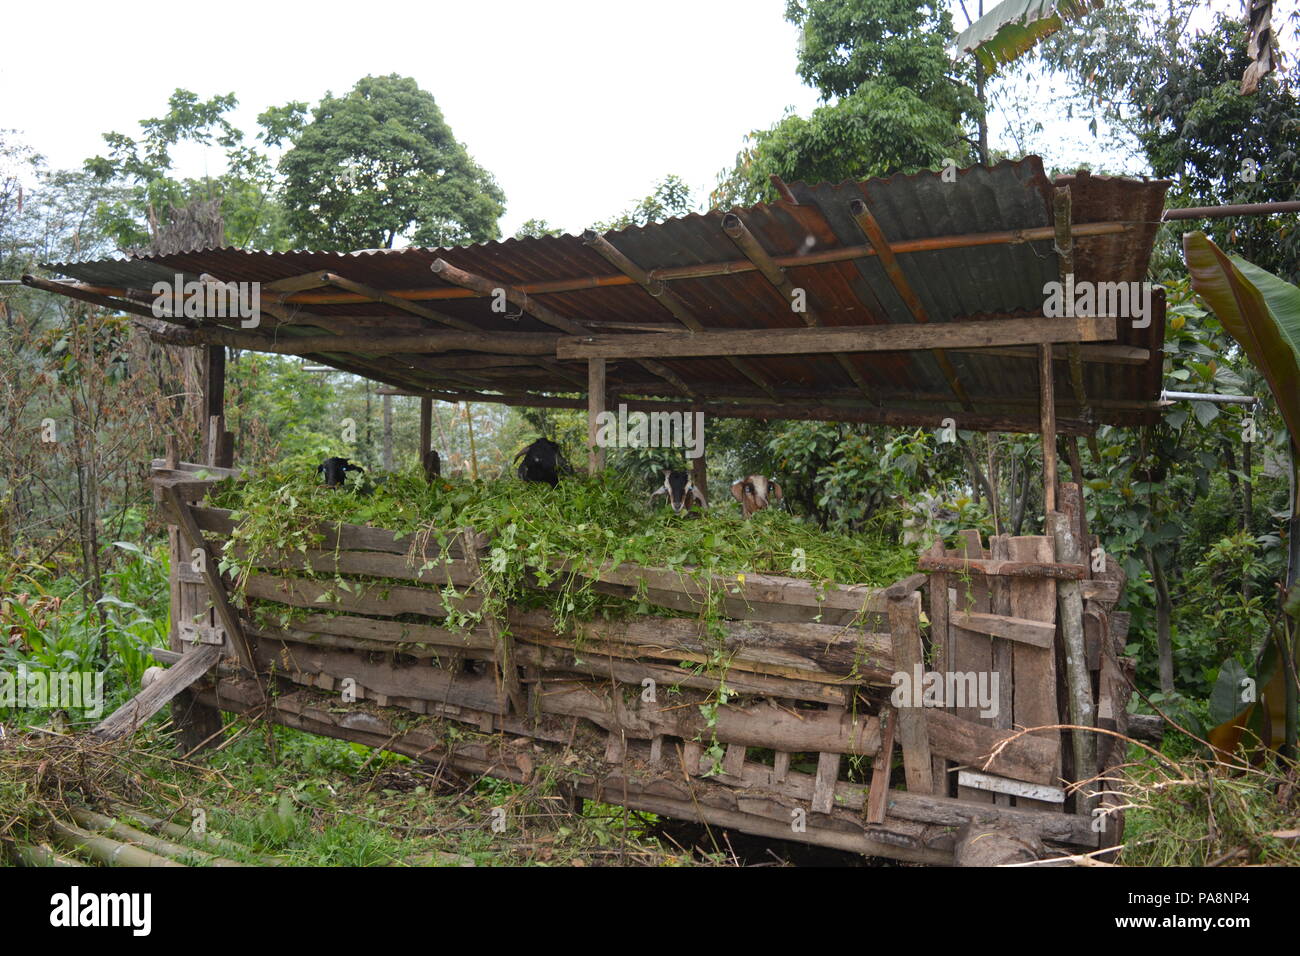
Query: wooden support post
[(595, 408), (699, 466), (905, 628), (388, 431), (1081, 524), (881, 765), (969, 651), (1070, 602), (426, 428), (1003, 652), (218, 445), (940, 650), (1035, 667), (1047, 418)]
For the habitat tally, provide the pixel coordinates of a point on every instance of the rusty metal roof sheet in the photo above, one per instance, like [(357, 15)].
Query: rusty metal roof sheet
[(815, 236)]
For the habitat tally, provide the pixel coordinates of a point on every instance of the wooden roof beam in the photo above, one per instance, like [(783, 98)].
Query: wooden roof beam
[(786, 409), (753, 250), (668, 299), (889, 262), (432, 315), (837, 339), (486, 287)]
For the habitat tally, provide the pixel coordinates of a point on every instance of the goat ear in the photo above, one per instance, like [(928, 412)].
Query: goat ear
[(657, 492), (737, 489), (775, 492), (699, 496)]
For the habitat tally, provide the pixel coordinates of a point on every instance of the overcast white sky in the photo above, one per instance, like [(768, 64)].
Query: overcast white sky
[(576, 106)]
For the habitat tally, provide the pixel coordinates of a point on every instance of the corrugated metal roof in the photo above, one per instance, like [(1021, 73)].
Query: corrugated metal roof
[(977, 281)]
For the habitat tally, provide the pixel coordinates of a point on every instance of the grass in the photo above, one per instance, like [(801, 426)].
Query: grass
[(1191, 811), (313, 801)]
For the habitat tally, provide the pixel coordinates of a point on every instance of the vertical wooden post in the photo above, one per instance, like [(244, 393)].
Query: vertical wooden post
[(699, 466), (473, 451), (218, 443), (1069, 550), (426, 428), (196, 722), (388, 432), (1047, 418), (909, 658), (595, 406)]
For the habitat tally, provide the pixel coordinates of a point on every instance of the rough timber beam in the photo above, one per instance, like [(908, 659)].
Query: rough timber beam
[(486, 287), (668, 299), (876, 236), (753, 250), (838, 339), (424, 312)]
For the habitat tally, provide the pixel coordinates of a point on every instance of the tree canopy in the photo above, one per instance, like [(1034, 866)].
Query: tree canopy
[(381, 163), (894, 99)]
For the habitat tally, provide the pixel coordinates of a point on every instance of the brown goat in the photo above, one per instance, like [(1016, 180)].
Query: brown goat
[(755, 492)]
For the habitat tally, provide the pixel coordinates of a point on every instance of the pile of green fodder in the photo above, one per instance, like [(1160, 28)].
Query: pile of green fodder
[(557, 537)]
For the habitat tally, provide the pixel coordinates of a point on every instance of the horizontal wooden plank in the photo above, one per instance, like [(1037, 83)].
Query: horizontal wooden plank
[(1016, 788), (830, 339), (760, 724), (386, 600), (379, 564), (1027, 757), (1012, 569), (1105, 354), (214, 471), (1025, 631), (348, 537), (756, 588)]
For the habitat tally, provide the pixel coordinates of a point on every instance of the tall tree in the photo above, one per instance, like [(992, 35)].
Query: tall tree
[(380, 163), (894, 100)]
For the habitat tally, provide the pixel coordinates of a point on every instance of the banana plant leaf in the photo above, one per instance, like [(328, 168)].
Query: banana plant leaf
[(1260, 311), (1014, 26)]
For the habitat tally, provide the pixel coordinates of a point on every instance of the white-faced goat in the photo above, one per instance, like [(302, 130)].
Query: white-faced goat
[(755, 492), (335, 470), (543, 461), (681, 491)]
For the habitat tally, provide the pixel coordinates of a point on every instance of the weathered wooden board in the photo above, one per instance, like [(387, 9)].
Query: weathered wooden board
[(1035, 667), (385, 600), (972, 652), (1038, 792)]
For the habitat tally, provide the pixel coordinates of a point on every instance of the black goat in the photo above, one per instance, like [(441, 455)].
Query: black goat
[(432, 465), (543, 461), (335, 470), (681, 491)]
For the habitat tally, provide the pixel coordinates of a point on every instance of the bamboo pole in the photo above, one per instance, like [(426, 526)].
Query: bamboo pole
[(735, 266), (107, 826), (36, 855), (177, 832), (106, 850)]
